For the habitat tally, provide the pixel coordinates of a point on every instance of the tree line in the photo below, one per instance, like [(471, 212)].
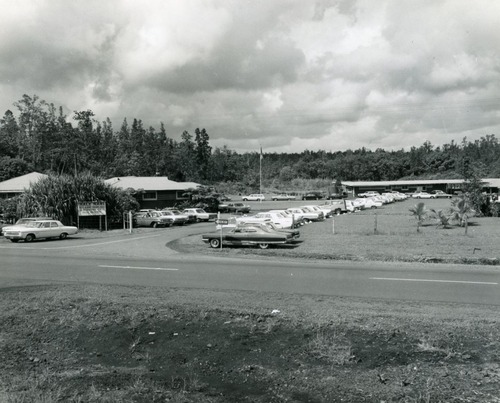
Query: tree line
[(40, 137)]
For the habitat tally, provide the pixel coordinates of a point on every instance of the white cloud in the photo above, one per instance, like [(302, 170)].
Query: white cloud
[(286, 74)]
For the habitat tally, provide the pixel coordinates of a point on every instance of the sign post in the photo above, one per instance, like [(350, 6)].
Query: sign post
[(221, 222), (86, 209)]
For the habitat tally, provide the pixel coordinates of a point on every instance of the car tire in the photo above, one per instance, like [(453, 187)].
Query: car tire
[(29, 238), (154, 224), (338, 211), (245, 199), (63, 235), (263, 245), (215, 243), (373, 207)]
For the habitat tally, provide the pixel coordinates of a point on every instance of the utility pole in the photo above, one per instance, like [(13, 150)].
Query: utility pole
[(260, 171)]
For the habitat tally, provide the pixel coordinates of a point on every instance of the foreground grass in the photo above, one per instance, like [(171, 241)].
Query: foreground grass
[(120, 344)]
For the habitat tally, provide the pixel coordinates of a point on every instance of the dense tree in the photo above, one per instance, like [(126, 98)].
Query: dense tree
[(41, 138)]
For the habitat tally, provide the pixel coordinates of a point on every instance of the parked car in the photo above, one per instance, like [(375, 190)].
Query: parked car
[(306, 215), (321, 214), (423, 195), (190, 216), (370, 202), (297, 221), (313, 196), (327, 212), (177, 217), (334, 196), (278, 219), (234, 208), (246, 235), (282, 197), (254, 197), (293, 231), (200, 214), (38, 229), (152, 219), (369, 194), (21, 221), (440, 194), (335, 206)]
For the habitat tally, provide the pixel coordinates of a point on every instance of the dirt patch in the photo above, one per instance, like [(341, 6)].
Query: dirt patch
[(93, 344)]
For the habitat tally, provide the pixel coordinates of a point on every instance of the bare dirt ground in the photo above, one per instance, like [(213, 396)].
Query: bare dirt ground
[(80, 343)]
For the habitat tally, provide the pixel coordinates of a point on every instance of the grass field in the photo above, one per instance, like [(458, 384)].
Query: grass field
[(388, 233)]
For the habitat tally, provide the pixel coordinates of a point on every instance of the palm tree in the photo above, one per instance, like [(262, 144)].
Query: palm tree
[(444, 219), (419, 212), (461, 210)]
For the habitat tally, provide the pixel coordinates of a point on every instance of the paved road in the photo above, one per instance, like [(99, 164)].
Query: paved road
[(144, 259)]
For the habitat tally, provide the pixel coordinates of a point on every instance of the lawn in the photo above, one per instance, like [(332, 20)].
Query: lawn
[(387, 233)]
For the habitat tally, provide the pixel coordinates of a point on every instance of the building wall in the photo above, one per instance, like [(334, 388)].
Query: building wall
[(161, 199)]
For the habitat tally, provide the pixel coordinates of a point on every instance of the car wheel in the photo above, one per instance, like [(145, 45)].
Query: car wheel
[(373, 207), (154, 224), (215, 243), (29, 238), (63, 235), (263, 245), (245, 199), (275, 199), (338, 211)]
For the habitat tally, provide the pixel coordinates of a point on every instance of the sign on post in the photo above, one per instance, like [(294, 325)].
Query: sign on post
[(221, 222), (88, 209)]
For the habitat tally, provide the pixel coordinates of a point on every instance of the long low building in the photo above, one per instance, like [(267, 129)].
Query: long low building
[(452, 186)]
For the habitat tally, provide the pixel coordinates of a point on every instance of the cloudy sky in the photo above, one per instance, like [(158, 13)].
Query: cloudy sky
[(287, 75)]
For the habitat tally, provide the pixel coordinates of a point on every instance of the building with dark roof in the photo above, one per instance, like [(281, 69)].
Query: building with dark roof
[(155, 192)]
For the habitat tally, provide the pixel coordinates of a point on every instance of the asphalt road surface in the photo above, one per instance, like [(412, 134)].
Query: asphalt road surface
[(145, 260)]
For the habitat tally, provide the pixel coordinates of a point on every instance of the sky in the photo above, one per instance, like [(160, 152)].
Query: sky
[(284, 75)]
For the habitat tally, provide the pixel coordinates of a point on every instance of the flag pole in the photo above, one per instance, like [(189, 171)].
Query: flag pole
[(260, 171)]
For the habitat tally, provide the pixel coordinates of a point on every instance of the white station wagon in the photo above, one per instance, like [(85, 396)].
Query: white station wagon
[(254, 197), (40, 229)]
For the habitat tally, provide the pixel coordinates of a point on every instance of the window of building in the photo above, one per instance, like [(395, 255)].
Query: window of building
[(149, 196), (180, 194)]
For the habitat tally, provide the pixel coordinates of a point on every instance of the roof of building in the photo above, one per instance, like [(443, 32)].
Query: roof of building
[(20, 183), (150, 183), (493, 182)]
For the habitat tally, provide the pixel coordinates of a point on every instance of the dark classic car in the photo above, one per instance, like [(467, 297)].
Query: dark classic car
[(247, 235), (313, 196), (234, 208)]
